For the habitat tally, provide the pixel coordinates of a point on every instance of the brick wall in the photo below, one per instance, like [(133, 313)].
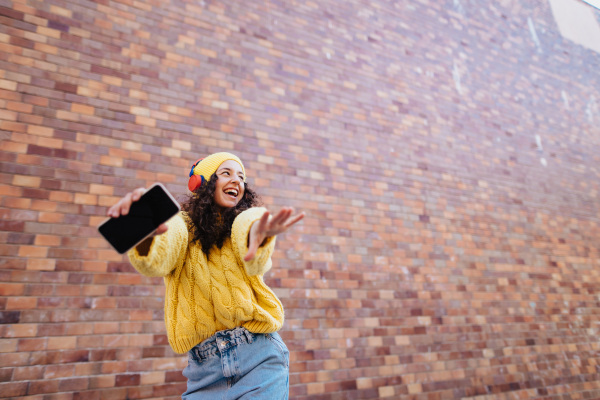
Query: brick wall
[(446, 154)]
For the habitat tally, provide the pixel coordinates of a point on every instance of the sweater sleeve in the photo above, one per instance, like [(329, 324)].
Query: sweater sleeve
[(165, 250), (261, 262)]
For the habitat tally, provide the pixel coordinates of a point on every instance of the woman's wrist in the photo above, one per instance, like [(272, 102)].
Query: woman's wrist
[(254, 233)]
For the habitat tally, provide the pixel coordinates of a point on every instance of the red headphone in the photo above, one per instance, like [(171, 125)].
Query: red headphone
[(195, 180)]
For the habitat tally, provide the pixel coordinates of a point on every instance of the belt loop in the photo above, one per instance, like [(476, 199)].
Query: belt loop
[(249, 335)]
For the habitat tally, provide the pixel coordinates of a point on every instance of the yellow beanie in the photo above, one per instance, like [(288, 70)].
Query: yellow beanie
[(204, 168)]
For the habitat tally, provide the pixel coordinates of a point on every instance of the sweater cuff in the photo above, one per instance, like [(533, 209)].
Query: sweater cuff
[(261, 263)]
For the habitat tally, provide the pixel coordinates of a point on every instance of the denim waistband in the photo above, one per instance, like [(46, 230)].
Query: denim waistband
[(221, 341)]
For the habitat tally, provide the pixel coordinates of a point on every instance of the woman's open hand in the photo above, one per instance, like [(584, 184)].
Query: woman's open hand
[(270, 226)]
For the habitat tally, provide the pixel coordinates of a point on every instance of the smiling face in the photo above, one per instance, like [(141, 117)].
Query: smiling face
[(229, 188)]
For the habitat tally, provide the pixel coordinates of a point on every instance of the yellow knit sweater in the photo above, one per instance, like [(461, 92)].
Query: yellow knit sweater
[(203, 294)]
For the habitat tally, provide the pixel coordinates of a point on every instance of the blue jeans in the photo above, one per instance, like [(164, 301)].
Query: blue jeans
[(238, 364)]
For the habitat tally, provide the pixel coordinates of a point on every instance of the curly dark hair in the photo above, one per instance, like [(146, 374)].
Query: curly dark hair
[(210, 224)]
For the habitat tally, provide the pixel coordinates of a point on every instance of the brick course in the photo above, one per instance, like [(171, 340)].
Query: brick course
[(445, 153)]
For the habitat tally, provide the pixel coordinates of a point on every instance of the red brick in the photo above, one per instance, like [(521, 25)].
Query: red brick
[(127, 380), (42, 387), (174, 376), (13, 389), (116, 394), (32, 344), (169, 389), (102, 381), (6, 374), (74, 384), (59, 371)]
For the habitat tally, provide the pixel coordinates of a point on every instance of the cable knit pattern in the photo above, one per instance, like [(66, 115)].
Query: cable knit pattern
[(203, 294)]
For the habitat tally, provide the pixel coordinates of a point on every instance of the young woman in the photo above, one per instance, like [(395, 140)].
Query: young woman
[(213, 256)]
